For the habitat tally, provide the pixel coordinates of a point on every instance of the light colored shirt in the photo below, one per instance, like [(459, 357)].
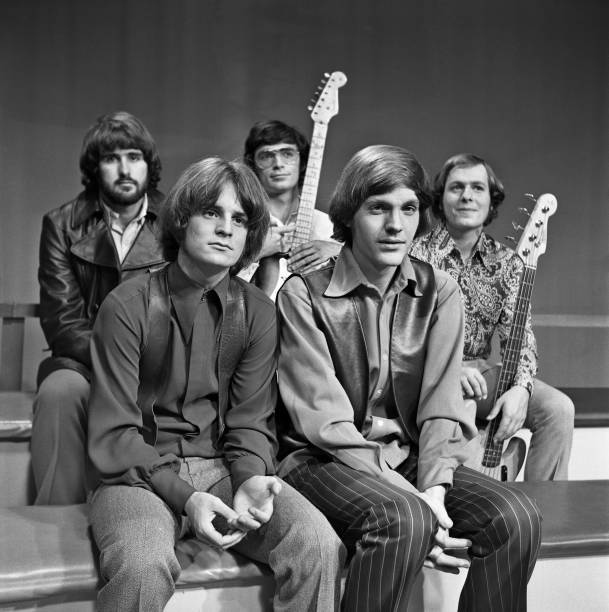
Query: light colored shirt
[(124, 237), (489, 281), (318, 404)]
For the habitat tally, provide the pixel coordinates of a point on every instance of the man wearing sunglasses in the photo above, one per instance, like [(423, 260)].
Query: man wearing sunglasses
[(278, 154)]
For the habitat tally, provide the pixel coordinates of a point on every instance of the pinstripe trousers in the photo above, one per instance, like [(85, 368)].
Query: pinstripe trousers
[(389, 533)]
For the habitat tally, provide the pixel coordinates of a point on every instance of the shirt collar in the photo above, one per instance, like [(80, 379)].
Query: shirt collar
[(443, 244), (348, 276), (186, 295), (113, 215)]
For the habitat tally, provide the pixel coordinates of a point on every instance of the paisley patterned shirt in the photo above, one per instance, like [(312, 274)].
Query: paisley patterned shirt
[(489, 283)]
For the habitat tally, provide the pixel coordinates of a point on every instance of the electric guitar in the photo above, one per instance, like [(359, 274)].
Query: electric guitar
[(491, 457), (273, 270)]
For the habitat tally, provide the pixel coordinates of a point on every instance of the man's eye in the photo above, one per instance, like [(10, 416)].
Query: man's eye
[(210, 213), (265, 157), (240, 221), (288, 153), (135, 157), (108, 159)]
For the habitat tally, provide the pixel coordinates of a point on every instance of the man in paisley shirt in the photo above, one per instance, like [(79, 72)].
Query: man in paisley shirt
[(466, 197)]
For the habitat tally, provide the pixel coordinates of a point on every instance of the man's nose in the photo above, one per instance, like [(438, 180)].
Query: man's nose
[(467, 193), (224, 226), (124, 166), (394, 221)]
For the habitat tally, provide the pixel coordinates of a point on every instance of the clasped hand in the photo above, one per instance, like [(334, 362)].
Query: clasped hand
[(440, 556), (252, 507)]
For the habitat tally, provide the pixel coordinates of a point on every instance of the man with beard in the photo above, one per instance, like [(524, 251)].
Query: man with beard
[(87, 247)]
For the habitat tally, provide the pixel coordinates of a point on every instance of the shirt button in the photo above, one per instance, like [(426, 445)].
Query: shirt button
[(379, 391)]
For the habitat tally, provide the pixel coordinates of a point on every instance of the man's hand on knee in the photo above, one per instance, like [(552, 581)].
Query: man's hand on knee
[(253, 501), (201, 509), (448, 554)]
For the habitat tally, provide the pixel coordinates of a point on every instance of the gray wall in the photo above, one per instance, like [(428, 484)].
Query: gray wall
[(524, 84)]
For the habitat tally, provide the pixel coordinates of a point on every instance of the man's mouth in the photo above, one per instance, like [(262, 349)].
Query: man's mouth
[(221, 246)]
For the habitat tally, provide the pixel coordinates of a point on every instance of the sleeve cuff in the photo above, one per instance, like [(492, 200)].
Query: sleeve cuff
[(171, 489), (245, 467)]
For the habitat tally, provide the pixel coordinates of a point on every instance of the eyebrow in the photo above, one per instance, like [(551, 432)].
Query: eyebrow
[(277, 148)]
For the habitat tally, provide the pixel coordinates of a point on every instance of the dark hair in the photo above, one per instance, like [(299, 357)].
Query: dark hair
[(119, 130), (265, 133), (198, 188), (375, 170), (467, 160)]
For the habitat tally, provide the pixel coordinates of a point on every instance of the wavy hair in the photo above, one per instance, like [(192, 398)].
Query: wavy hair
[(467, 160), (265, 133), (372, 171), (198, 189), (118, 130)]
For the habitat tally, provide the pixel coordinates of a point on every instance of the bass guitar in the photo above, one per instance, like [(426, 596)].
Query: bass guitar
[(273, 270), (503, 460)]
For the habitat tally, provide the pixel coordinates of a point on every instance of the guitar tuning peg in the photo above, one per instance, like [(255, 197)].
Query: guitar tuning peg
[(530, 196), (327, 75), (510, 238), (516, 226), (522, 209), (309, 107)]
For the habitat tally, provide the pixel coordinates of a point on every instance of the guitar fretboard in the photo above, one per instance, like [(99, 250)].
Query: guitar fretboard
[(510, 359), (308, 196)]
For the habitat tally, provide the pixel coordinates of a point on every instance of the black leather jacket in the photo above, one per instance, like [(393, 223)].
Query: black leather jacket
[(78, 267)]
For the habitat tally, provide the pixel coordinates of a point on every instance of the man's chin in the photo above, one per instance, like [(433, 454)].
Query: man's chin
[(122, 198)]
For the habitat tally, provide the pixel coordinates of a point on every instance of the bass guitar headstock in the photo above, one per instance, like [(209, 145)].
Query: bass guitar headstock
[(533, 240), (325, 100)]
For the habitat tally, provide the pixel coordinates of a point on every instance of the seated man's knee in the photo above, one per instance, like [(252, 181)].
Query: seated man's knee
[(404, 519), (146, 560), (518, 518), (566, 410), (63, 393)]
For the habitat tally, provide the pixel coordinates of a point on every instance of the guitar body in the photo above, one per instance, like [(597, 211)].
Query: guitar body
[(272, 272), (512, 458), (514, 450)]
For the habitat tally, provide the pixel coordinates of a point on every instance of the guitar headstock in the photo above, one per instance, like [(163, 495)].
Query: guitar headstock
[(326, 98), (533, 241)]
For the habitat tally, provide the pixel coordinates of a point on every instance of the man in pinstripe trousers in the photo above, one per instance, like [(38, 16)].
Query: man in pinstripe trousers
[(374, 427)]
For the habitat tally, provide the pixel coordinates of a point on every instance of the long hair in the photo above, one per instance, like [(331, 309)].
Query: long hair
[(198, 189), (265, 133), (118, 130), (467, 160), (372, 171)]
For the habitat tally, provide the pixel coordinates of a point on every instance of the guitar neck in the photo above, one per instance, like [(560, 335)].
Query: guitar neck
[(510, 361), (308, 196)]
